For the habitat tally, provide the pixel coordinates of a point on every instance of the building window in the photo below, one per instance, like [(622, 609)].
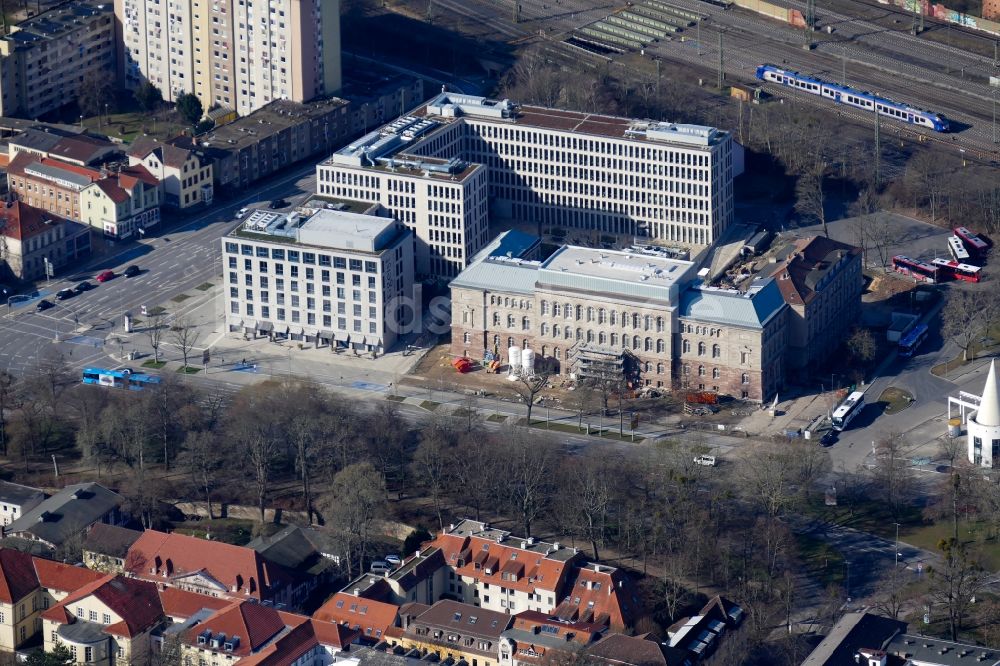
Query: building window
[(716, 373), (716, 351), (686, 347), (746, 378), (701, 349)]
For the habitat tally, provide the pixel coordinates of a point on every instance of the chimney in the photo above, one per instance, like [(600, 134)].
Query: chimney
[(555, 546), (357, 592)]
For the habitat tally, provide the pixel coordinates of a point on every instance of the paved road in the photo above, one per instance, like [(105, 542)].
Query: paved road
[(178, 258)]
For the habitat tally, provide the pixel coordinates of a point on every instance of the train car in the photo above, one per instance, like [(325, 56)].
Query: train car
[(957, 270), (918, 270), (972, 241), (850, 97)]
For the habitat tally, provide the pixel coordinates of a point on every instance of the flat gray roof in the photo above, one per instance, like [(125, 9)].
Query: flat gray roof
[(622, 272)]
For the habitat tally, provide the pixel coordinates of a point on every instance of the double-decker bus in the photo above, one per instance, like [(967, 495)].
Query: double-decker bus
[(915, 268), (973, 243), (847, 410), (957, 271), (957, 249), (909, 342), (123, 379)]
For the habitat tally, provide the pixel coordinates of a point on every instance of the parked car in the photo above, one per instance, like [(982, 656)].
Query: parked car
[(63, 294), (394, 560), (241, 213), (104, 276), (279, 203), (131, 271), (707, 461), (82, 287), (829, 438), (380, 567), (43, 305)]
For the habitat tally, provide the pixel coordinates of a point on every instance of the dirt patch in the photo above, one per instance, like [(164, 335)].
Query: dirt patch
[(895, 399)]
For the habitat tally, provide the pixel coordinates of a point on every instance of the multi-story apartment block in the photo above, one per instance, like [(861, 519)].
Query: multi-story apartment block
[(821, 281), (332, 277), (637, 314), (558, 169), (239, 54), (45, 60), (186, 174)]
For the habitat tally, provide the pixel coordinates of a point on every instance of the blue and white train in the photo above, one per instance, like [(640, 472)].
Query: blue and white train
[(851, 97)]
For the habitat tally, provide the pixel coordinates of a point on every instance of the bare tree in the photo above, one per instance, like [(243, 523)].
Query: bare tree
[(892, 472), (528, 388), (956, 582), (202, 460), (154, 331), (8, 390), (811, 192), (185, 336), (432, 461), (356, 501), (861, 344), (527, 469), (962, 320)]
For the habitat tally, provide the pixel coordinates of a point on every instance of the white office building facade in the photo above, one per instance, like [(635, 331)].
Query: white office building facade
[(332, 278)]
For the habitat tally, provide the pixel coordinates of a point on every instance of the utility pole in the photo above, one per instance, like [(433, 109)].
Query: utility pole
[(721, 74), (878, 153)]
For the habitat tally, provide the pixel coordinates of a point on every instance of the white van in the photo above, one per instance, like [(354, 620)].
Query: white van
[(380, 567), (708, 461)]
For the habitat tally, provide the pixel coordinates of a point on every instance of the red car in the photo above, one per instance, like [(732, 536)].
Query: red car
[(104, 276)]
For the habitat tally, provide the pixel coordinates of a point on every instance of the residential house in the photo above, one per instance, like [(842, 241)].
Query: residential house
[(68, 514), (622, 650), (28, 586), (212, 568), (64, 145), (371, 614), (300, 551), (123, 202), (33, 240), (186, 173), (15, 499), (107, 622), (821, 281), (540, 638), (701, 634), (255, 634), (105, 547), (453, 632)]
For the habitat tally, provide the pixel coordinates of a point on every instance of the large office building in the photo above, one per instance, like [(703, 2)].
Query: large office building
[(637, 314), (45, 60), (567, 170), (238, 54), (336, 278)]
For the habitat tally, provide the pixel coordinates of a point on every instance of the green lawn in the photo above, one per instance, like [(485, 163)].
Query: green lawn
[(395, 398), (822, 561), (975, 534), (497, 418), (188, 370), (430, 405), (204, 286), (127, 126), (154, 364), (895, 399)]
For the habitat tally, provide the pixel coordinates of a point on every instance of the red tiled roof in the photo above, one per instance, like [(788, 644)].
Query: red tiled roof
[(17, 575), (477, 554), (25, 159), (135, 601), (113, 190), (135, 173), (163, 557), (628, 650), (606, 597), (181, 604), (368, 616), (298, 641), (20, 221), (63, 577), (254, 623)]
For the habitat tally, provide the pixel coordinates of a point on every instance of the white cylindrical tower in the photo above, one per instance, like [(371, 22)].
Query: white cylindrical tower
[(984, 425), (528, 362)]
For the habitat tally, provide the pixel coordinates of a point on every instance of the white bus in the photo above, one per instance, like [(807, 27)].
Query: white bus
[(847, 410), (957, 249)]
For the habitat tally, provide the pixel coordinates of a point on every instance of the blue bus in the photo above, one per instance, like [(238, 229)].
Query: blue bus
[(909, 342), (123, 379)]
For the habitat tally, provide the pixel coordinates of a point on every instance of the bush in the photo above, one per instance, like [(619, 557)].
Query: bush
[(413, 541)]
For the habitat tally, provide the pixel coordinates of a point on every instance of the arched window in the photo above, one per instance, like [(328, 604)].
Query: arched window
[(545, 351), (510, 321), (716, 373), (569, 333), (590, 314), (568, 309), (635, 320), (602, 316), (496, 318), (660, 346), (579, 312), (614, 318), (493, 300), (558, 353), (659, 368), (614, 339), (624, 342), (686, 369), (510, 342), (506, 302), (636, 343), (525, 324), (659, 324), (496, 340), (701, 371), (590, 336), (579, 334), (555, 330), (466, 338), (746, 378), (602, 338), (701, 349), (686, 347), (545, 329), (545, 307), (716, 351), (647, 322), (647, 344), (556, 310)]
